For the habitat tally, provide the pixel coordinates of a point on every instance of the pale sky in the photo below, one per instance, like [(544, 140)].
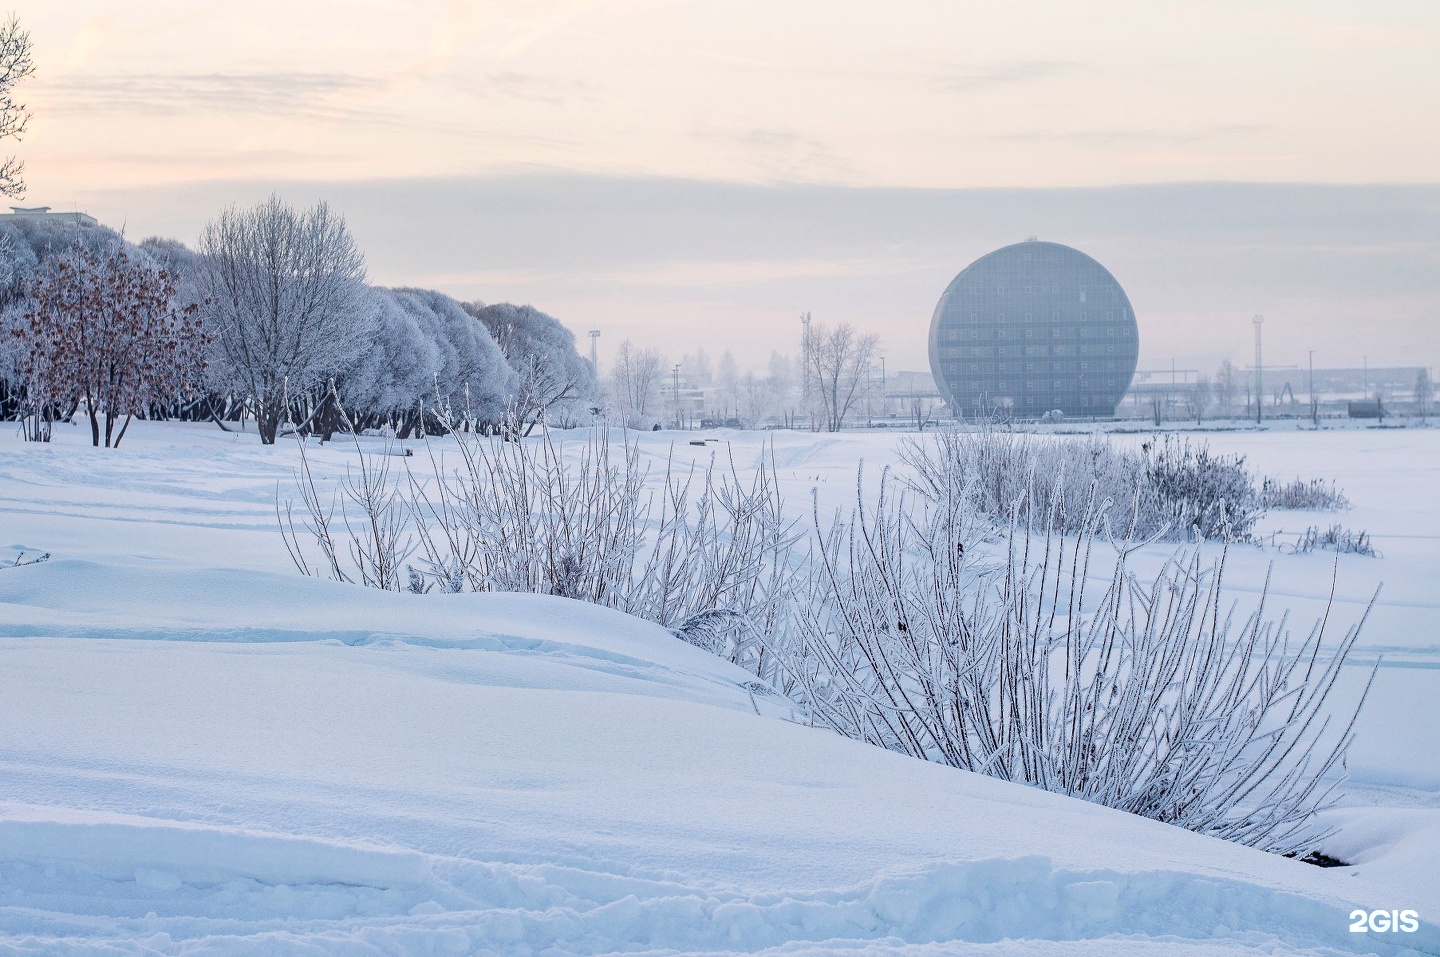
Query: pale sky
[(155, 113)]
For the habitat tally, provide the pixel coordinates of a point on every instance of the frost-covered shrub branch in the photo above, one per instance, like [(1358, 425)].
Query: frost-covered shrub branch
[(951, 616), (1168, 488), (523, 516), (1148, 697)]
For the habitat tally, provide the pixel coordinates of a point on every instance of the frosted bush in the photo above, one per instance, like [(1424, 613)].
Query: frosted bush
[(1147, 697), (1315, 495), (951, 618), (1167, 489), (702, 550), (1334, 539)]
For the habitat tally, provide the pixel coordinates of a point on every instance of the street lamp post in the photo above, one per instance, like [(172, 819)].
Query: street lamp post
[(678, 423), (1259, 392)]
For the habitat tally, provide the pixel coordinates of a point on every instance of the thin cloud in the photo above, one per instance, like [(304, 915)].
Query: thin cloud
[(523, 86), (161, 94), (1141, 137), (1007, 73), (784, 153)]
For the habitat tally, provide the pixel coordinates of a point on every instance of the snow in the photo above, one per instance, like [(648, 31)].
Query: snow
[(204, 753)]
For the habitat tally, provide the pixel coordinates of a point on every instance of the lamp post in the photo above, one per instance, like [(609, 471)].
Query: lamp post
[(1314, 406), (1259, 393), (678, 424)]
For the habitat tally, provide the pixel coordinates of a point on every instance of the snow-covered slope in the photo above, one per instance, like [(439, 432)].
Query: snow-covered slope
[(202, 755)]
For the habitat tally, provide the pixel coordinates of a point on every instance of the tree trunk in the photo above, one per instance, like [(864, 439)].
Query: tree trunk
[(268, 424), (94, 414)]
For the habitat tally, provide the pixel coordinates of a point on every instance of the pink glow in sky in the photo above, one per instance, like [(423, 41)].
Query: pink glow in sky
[(538, 151), (893, 93)]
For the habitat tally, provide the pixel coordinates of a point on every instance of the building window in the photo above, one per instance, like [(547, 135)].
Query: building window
[(1029, 333), (1082, 295), (974, 333)]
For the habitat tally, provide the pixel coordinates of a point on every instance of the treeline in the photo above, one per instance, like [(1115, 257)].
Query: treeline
[(268, 319)]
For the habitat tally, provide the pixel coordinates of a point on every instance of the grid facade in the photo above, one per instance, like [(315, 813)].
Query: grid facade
[(1031, 328)]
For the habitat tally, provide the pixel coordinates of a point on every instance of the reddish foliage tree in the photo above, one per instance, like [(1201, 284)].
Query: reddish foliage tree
[(105, 332)]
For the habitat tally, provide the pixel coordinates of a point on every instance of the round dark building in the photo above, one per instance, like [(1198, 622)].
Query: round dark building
[(1032, 328)]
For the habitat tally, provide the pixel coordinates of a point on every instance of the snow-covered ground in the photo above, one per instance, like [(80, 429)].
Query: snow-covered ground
[(203, 752)]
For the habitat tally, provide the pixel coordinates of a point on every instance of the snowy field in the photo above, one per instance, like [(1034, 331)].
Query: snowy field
[(203, 752)]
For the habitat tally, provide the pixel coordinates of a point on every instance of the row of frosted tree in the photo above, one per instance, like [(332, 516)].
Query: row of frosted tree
[(269, 319)]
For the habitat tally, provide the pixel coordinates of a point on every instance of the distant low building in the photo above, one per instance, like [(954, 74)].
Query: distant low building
[(44, 212)]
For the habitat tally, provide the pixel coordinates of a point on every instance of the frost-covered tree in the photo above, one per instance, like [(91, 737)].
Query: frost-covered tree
[(474, 380), (1225, 388), (697, 368), (26, 245), (429, 364), (1424, 392), (837, 371), (288, 302), (391, 377), (550, 372), (107, 331), (1200, 396), (634, 383), (727, 382), (15, 65)]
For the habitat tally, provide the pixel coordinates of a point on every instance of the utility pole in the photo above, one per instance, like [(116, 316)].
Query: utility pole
[(1259, 393), (594, 355), (805, 366), (884, 395), (1314, 406), (678, 425)]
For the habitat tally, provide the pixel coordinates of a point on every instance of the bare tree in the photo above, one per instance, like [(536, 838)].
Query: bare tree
[(727, 379), (105, 331), (1224, 388), (837, 370), (287, 295), (634, 383), (1200, 394), (15, 65), (756, 399)]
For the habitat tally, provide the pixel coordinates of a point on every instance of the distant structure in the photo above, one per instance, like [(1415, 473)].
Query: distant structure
[(43, 212), (1032, 328)]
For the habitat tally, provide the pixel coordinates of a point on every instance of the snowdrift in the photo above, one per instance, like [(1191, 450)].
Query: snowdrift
[(222, 761)]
